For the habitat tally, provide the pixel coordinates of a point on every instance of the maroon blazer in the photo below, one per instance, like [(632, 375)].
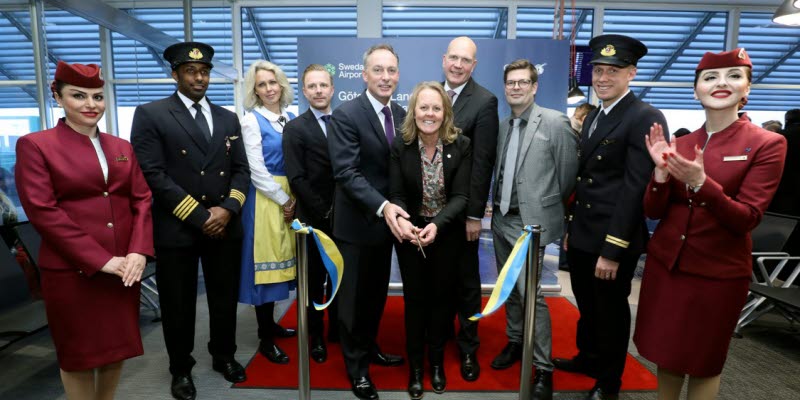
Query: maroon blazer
[(708, 233), (82, 220)]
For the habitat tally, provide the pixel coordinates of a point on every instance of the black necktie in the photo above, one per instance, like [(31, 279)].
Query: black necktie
[(202, 122), (598, 120), (326, 119)]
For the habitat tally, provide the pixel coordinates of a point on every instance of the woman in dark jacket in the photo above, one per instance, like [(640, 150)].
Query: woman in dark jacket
[(429, 170), (84, 193)]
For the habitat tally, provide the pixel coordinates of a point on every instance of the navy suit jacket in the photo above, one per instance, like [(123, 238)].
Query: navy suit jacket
[(359, 155), (308, 167), (613, 171)]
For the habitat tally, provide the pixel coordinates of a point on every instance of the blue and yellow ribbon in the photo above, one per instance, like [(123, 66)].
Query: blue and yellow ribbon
[(507, 278), (331, 258)]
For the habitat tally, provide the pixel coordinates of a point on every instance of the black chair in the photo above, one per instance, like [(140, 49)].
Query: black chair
[(769, 264), (20, 315), (30, 240)]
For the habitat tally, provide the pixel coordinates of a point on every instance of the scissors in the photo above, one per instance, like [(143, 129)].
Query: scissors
[(419, 245)]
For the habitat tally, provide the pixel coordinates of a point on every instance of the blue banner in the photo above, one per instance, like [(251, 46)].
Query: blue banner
[(421, 60)]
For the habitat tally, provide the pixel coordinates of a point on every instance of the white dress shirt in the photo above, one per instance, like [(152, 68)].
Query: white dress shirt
[(204, 105)]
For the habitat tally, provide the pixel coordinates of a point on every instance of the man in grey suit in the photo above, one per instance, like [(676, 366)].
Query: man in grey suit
[(535, 174)]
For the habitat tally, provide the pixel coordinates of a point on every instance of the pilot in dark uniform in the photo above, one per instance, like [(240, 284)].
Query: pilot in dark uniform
[(193, 158), (607, 233)]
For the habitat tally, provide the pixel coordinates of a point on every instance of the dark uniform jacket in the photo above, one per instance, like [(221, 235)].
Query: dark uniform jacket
[(187, 174), (475, 113), (614, 169)]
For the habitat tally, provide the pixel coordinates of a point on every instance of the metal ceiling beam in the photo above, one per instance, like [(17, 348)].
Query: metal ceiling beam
[(262, 44), (582, 15), (778, 63), (686, 43), (27, 89), (160, 61), (25, 32), (117, 20), (498, 29)]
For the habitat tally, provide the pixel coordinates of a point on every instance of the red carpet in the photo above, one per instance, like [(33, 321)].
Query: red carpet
[(331, 375)]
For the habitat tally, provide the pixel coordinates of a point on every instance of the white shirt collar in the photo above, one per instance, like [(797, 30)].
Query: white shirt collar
[(269, 115), (317, 113), (377, 105), (609, 108), (457, 90), (189, 102)]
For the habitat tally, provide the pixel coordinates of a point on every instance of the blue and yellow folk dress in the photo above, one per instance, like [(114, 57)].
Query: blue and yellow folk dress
[(268, 249)]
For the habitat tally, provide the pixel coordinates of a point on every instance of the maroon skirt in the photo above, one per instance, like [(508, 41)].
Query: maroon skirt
[(93, 321), (684, 322)]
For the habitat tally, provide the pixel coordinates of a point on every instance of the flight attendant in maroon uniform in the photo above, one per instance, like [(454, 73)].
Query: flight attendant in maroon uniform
[(84, 193), (710, 188)]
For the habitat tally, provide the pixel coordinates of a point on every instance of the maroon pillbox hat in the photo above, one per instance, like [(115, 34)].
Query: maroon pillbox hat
[(81, 75), (734, 58)]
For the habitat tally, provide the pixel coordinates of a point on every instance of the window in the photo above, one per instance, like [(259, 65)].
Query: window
[(445, 22)]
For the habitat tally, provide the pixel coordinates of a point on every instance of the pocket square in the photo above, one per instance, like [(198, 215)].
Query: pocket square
[(540, 136)]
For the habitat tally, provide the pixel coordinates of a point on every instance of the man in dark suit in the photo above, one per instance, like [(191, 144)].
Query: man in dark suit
[(194, 162), (361, 132), (308, 167), (475, 110), (607, 233)]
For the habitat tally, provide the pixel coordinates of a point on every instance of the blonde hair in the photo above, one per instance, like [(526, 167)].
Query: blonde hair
[(447, 132), (251, 99)]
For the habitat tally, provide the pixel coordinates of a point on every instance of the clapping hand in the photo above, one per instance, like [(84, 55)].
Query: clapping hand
[(659, 150), (690, 172)]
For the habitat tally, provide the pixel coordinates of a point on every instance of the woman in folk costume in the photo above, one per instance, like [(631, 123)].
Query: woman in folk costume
[(84, 193), (710, 188), (268, 250)]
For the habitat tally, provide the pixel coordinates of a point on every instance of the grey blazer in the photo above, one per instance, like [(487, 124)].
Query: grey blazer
[(547, 165)]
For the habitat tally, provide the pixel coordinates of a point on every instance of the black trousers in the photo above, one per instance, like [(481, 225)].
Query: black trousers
[(318, 292), (428, 289), (468, 295), (605, 316), (176, 276), (362, 296)]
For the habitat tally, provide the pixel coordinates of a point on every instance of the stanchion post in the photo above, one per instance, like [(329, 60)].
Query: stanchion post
[(532, 269), (304, 377)]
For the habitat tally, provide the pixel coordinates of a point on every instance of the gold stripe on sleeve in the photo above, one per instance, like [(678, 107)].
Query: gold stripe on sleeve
[(617, 241)]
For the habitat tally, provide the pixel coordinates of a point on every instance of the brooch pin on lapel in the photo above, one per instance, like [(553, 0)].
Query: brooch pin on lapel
[(747, 149)]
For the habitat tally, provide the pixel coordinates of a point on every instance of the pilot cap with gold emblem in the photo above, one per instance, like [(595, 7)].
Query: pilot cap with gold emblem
[(187, 52), (619, 50)]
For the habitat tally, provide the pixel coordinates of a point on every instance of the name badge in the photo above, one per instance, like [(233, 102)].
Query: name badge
[(735, 158)]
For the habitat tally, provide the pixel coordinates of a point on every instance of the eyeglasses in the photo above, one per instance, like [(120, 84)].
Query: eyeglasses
[(523, 83)]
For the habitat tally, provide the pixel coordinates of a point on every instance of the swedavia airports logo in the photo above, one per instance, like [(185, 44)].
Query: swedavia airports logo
[(331, 69)]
